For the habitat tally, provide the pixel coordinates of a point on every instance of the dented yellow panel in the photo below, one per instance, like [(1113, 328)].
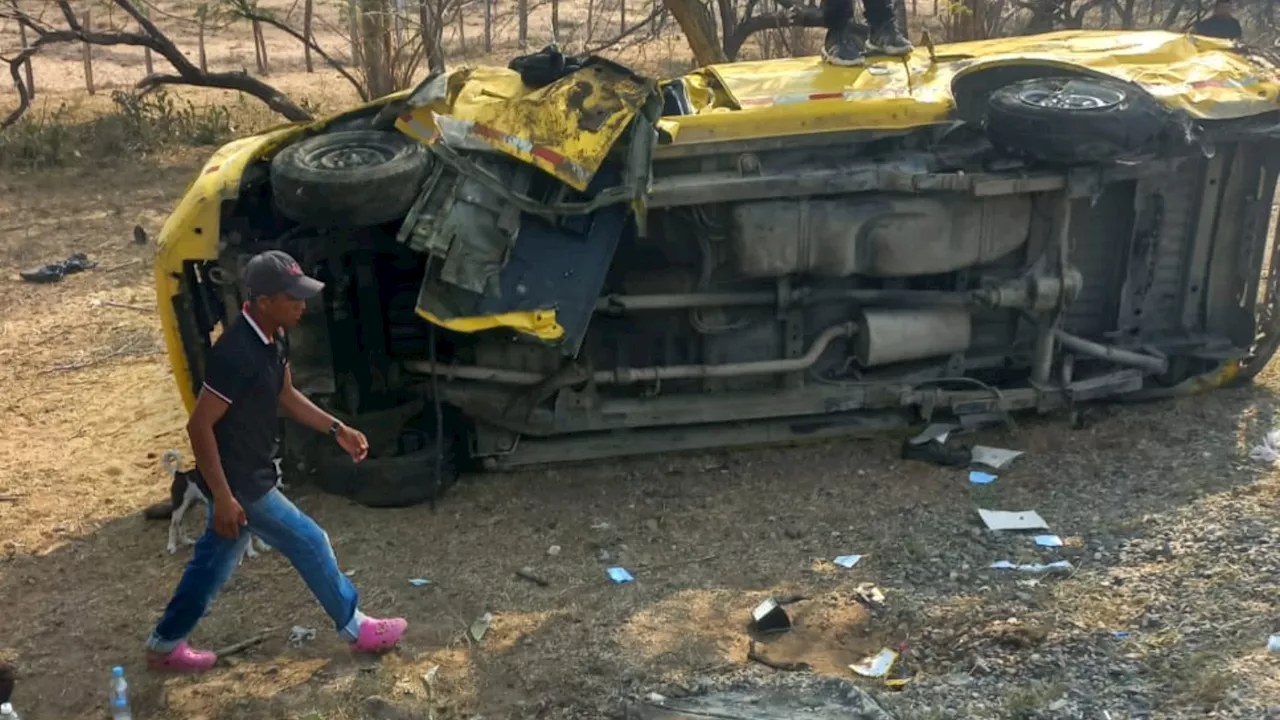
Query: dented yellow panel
[(1201, 76), (566, 128)]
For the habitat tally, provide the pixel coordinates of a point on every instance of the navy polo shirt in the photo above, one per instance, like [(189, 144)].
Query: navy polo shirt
[(246, 369)]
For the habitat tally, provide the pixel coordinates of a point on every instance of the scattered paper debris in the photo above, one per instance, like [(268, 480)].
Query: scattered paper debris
[(936, 431), (1273, 644), (299, 635), (602, 525), (1048, 541), (977, 477), (419, 582), (619, 575), (1031, 567), (847, 561), (1121, 635), (554, 550), (1006, 520), (349, 573), (1269, 450), (429, 680), (877, 665), (481, 626), (992, 457)]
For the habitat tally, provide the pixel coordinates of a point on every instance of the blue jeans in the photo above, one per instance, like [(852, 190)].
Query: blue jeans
[(286, 528)]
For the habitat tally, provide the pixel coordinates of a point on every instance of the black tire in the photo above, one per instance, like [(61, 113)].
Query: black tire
[(352, 178), (1075, 120), (401, 480)]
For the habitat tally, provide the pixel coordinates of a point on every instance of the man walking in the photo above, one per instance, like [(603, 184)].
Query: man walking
[(1220, 24), (233, 430), (842, 47)]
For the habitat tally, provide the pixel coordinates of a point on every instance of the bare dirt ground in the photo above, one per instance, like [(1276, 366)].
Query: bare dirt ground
[(1172, 531)]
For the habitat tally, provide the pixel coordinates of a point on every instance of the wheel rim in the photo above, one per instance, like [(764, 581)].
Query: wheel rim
[(1071, 96), (348, 158)]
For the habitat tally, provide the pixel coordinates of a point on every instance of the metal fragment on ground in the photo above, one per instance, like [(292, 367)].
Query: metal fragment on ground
[(877, 665), (847, 561)]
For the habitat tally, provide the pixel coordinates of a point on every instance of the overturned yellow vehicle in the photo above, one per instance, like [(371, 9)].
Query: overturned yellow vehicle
[(524, 268)]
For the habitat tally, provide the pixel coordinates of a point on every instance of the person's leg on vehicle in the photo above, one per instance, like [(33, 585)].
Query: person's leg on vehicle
[(286, 528), (840, 46), (212, 562), (885, 36)]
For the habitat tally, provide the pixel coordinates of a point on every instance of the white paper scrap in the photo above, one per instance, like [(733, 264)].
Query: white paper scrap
[(993, 457), (1006, 520), (936, 431), (847, 561), (1031, 567), (877, 665)]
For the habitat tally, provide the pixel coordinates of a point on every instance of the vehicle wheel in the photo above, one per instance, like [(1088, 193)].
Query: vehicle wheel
[(405, 478), (352, 178), (1075, 120)]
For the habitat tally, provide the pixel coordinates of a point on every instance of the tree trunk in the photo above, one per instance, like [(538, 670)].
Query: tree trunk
[(375, 42), (26, 66), (522, 8), (353, 22), (432, 37), (462, 33), (699, 29), (488, 22), (622, 16), (307, 11), (87, 55)]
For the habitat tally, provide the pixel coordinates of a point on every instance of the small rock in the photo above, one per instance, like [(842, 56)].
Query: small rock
[(554, 550)]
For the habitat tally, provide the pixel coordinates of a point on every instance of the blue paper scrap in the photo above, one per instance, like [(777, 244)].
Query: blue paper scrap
[(848, 561), (1121, 635), (419, 582), (980, 478), (619, 575), (1048, 541)]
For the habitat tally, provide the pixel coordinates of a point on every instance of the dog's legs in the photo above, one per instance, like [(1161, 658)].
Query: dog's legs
[(175, 521)]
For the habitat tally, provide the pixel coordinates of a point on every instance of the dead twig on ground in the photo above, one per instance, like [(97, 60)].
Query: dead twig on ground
[(754, 656), (678, 563), (528, 574), (127, 306), (124, 264), (236, 648), (10, 498), (122, 350)]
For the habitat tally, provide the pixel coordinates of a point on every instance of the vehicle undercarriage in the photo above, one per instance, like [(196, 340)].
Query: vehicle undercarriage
[(769, 290)]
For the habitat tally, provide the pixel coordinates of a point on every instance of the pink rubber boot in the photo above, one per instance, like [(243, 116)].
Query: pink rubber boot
[(182, 659), (377, 636)]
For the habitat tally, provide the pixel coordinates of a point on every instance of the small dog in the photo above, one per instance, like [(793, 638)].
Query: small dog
[(184, 491)]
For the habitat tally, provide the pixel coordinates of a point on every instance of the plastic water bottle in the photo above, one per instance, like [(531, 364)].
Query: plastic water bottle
[(8, 713), (119, 695)]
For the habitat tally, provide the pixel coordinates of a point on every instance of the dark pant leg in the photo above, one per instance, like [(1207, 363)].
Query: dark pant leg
[(211, 565), (836, 14), (878, 12)]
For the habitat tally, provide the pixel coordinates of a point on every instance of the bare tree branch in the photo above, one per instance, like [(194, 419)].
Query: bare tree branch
[(244, 9), (657, 12), (152, 38)]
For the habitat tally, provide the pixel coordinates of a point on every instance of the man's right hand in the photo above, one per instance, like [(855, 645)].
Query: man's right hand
[(228, 517)]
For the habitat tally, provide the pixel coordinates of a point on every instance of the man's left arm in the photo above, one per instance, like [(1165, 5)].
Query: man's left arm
[(300, 408)]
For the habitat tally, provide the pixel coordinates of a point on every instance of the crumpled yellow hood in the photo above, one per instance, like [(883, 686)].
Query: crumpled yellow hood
[(1204, 77)]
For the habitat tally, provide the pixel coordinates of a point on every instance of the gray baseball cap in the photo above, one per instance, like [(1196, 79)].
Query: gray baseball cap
[(274, 272)]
